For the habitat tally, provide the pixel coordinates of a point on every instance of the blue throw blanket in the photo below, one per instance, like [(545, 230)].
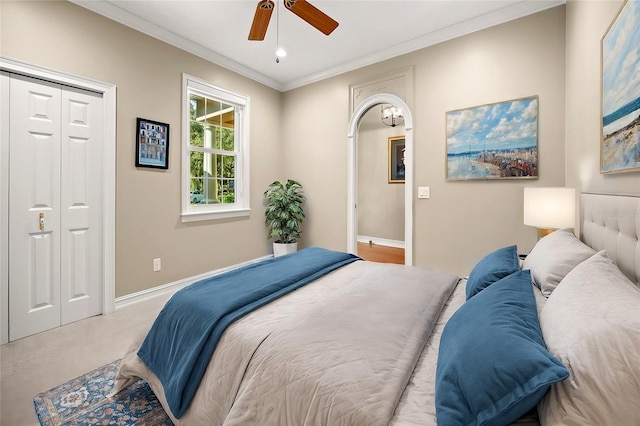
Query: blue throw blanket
[(182, 339)]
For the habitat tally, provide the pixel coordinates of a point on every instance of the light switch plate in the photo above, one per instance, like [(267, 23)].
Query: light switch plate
[(424, 192)]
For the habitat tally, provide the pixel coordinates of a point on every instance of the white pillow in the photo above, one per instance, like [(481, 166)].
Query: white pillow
[(591, 323), (553, 257)]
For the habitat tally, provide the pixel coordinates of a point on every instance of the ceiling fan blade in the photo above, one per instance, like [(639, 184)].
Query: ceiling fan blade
[(312, 15), (261, 20)]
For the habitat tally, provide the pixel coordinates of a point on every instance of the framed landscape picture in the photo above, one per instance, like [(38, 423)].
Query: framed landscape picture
[(620, 142), (493, 141)]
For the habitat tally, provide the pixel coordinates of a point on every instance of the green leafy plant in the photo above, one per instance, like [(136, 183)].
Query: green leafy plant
[(284, 212)]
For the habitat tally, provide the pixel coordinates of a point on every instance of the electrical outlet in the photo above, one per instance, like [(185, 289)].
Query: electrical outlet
[(157, 264)]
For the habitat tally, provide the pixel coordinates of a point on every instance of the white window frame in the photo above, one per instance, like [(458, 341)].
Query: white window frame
[(241, 207)]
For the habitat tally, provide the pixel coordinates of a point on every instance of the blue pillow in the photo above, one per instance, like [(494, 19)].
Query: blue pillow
[(491, 268), (493, 365)]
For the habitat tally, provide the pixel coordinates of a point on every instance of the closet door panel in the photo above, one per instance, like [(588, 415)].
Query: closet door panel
[(82, 174), (34, 207)]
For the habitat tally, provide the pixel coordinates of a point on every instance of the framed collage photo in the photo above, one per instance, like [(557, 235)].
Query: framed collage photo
[(152, 144)]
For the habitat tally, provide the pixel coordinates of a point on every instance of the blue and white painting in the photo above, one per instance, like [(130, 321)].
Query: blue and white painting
[(494, 141), (621, 93)]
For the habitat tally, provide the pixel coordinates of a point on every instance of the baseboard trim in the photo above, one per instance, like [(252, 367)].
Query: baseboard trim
[(380, 241), (164, 289)]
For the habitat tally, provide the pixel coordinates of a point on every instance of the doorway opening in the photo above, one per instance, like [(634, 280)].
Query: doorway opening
[(353, 145)]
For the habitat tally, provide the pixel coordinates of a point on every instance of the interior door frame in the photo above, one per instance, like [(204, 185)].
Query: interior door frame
[(352, 171), (108, 92)]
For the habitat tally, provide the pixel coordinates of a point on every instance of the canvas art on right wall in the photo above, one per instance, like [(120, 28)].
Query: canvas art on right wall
[(620, 147), (493, 141)]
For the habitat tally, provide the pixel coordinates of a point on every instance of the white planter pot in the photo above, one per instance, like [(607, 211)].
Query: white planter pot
[(280, 249)]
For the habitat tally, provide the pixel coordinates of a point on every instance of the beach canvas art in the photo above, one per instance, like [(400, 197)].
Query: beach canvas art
[(620, 148), (493, 141)]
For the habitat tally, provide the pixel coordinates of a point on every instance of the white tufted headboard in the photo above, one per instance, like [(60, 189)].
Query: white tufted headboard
[(612, 223)]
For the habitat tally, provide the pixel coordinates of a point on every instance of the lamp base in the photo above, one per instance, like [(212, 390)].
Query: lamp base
[(543, 232)]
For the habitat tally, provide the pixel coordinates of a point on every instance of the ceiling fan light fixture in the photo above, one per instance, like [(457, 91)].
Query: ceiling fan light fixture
[(280, 52)]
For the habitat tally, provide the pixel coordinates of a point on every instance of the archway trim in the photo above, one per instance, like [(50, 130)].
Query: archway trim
[(352, 170)]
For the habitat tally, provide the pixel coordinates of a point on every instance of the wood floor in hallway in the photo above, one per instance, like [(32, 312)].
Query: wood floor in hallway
[(379, 253)]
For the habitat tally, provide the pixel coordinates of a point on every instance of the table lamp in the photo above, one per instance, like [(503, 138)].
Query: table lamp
[(549, 209)]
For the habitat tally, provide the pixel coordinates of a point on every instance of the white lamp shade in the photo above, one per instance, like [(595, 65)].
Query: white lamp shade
[(550, 207)]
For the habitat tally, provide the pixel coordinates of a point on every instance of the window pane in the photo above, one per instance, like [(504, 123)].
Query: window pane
[(209, 169), (218, 165), (196, 107), (228, 167), (217, 138), (196, 111), (227, 116), (227, 139), (213, 116), (210, 192), (197, 164), (196, 195), (197, 134), (209, 137), (226, 194)]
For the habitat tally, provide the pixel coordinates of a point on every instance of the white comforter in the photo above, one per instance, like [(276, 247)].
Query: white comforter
[(339, 351)]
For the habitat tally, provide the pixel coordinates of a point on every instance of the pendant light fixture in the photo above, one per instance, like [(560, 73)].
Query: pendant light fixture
[(391, 115)]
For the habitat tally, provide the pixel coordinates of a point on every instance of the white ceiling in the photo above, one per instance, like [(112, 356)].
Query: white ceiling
[(370, 31)]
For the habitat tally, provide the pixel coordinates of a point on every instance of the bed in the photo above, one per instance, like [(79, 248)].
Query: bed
[(551, 339)]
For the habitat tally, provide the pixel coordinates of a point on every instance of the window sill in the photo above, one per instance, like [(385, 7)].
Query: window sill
[(210, 215)]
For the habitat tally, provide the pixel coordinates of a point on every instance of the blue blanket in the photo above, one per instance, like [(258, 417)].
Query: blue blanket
[(182, 339)]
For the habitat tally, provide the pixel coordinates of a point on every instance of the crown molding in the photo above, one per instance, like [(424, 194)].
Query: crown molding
[(113, 12)]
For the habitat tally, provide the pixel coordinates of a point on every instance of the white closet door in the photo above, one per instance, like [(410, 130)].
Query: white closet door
[(82, 198), (55, 206), (34, 207)]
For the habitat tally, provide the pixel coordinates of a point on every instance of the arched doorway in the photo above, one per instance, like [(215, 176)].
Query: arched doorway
[(352, 175)]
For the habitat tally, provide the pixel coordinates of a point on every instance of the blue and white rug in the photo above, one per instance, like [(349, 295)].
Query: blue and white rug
[(84, 401)]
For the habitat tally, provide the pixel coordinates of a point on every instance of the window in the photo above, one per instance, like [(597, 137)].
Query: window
[(215, 154)]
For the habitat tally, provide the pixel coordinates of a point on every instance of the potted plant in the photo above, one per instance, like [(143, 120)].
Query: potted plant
[(284, 215)]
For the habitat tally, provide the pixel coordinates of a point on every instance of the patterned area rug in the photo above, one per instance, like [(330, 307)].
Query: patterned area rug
[(84, 401)]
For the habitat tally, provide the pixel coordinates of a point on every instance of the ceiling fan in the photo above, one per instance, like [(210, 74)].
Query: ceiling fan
[(305, 10)]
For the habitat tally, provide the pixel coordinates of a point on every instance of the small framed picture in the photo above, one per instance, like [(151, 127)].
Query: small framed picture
[(396, 159), (152, 144)]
